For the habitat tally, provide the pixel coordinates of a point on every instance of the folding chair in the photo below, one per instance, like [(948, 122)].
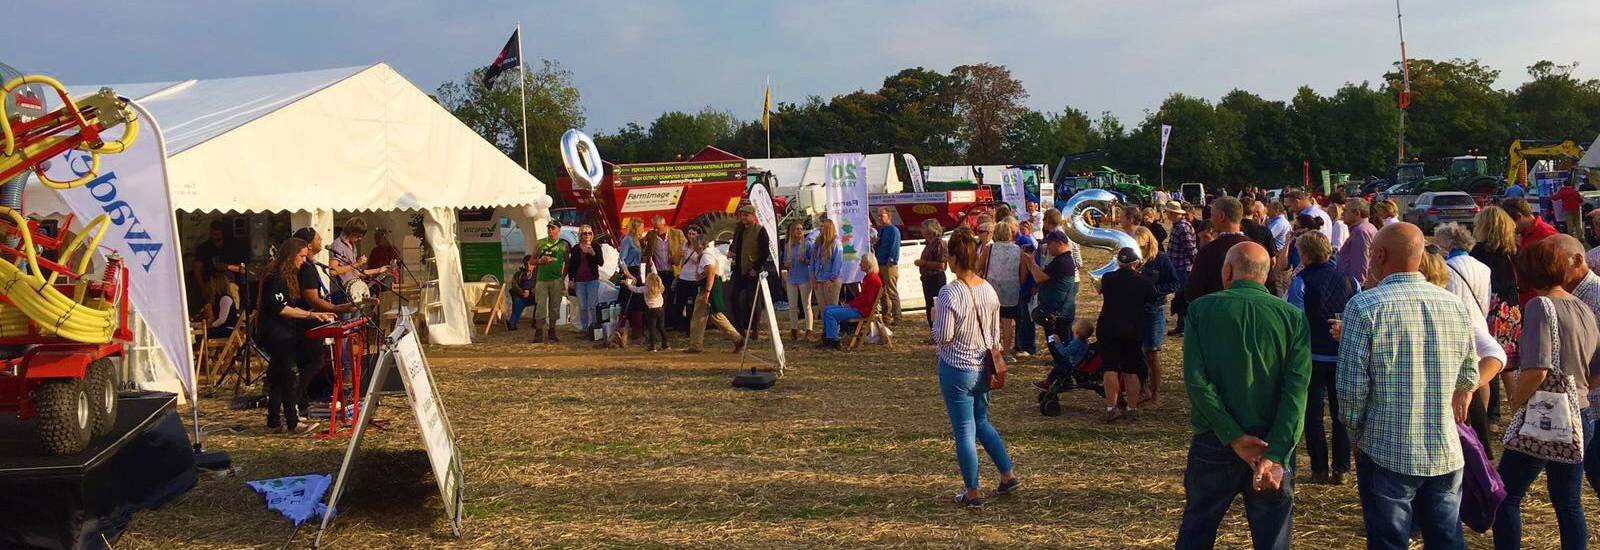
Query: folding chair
[(864, 324), (489, 304)]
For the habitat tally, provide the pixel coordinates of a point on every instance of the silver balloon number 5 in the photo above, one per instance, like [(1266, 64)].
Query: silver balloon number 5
[(582, 159)]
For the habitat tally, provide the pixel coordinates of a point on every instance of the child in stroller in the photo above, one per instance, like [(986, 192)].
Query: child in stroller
[(1076, 364)]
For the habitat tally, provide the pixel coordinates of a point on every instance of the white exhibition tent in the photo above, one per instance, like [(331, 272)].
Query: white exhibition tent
[(991, 173), (796, 172), (350, 140)]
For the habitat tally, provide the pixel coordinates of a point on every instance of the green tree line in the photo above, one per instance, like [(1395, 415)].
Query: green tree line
[(976, 114)]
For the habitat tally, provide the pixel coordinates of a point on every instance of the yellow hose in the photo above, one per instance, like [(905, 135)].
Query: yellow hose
[(35, 296), (111, 111)]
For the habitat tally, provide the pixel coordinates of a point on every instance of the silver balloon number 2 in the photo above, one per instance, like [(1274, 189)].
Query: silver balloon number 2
[(1080, 231)]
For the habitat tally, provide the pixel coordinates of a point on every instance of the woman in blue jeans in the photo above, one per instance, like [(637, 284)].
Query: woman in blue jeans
[(966, 325), (584, 269), (1558, 334)]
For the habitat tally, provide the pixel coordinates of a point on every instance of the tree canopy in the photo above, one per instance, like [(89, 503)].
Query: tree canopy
[(976, 114)]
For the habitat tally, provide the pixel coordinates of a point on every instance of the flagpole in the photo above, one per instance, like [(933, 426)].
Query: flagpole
[(1400, 141), (766, 115), (522, 85)]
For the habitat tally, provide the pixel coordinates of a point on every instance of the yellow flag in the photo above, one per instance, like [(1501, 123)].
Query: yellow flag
[(766, 109)]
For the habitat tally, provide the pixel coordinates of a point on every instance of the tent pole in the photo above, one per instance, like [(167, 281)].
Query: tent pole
[(522, 85)]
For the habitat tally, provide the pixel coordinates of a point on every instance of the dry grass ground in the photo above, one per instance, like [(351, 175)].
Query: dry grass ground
[(566, 446)]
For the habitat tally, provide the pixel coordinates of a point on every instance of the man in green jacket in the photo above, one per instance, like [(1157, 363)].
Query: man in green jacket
[(1246, 366)]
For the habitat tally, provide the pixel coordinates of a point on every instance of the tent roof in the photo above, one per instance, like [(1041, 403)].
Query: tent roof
[(1591, 158), (795, 172), (353, 138)]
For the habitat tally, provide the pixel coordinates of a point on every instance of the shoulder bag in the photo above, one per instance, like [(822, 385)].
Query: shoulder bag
[(1547, 426), (994, 362)]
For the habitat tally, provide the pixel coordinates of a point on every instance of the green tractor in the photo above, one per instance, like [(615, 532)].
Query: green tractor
[(1128, 185), (1466, 173)]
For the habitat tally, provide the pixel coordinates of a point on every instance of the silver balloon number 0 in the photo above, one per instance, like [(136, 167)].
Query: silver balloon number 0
[(582, 159)]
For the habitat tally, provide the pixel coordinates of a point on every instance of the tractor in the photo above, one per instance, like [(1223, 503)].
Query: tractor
[(62, 327)]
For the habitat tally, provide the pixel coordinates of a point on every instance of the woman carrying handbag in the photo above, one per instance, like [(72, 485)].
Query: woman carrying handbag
[(1558, 347), (966, 331)]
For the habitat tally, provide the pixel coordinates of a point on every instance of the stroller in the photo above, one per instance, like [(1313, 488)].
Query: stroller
[(1064, 378)]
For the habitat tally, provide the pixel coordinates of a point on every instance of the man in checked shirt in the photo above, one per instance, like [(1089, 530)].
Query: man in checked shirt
[(1406, 370)]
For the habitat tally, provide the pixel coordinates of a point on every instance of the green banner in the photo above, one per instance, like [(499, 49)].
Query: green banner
[(480, 259)]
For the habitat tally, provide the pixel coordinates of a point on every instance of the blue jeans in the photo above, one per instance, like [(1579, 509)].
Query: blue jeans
[(518, 304), (1027, 334), (1518, 470), (588, 297), (966, 400), (1213, 476), (832, 316), (1591, 451), (1391, 503)]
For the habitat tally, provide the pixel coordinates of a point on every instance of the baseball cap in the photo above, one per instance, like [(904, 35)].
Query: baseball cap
[(1056, 236), (1127, 256)]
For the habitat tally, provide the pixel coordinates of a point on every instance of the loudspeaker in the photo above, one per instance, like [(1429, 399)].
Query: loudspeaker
[(753, 380)]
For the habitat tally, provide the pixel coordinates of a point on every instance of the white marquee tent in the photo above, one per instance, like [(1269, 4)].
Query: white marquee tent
[(350, 140), (797, 172)]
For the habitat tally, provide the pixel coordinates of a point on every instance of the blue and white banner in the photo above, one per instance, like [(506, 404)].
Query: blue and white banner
[(296, 497), (131, 189), (846, 184)]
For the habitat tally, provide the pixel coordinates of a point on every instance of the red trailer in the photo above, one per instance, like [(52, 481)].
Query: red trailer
[(703, 191), (951, 208)]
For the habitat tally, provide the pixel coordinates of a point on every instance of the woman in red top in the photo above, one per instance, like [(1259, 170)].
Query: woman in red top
[(857, 307)]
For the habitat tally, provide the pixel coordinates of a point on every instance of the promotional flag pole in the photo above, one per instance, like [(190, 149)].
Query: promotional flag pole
[(522, 85)]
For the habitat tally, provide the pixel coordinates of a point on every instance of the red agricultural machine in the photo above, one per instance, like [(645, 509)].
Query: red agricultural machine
[(702, 191), (60, 324)]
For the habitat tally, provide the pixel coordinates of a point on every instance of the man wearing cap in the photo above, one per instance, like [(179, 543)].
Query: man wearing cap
[(1058, 284), (750, 253), (550, 254), (1181, 248)]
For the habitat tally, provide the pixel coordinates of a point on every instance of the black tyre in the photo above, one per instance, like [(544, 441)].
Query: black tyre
[(64, 415), (102, 381), (719, 225)]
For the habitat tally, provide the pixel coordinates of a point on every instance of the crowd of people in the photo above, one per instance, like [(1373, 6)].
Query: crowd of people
[(1289, 309)]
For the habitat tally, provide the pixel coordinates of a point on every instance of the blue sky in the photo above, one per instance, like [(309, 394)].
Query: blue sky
[(632, 61)]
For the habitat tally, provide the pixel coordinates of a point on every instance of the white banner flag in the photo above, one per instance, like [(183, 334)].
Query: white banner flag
[(132, 190), (846, 184), (915, 171), (1166, 130), (1013, 193), (761, 199)]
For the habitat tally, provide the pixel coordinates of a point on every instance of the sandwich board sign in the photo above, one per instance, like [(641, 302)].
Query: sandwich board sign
[(403, 356)]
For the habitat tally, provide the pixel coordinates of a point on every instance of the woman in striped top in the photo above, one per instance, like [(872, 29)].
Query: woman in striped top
[(966, 325)]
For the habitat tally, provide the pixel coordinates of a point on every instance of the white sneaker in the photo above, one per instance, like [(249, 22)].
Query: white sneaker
[(1024, 354)]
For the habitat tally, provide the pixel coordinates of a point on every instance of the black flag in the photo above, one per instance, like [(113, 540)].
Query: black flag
[(510, 56)]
